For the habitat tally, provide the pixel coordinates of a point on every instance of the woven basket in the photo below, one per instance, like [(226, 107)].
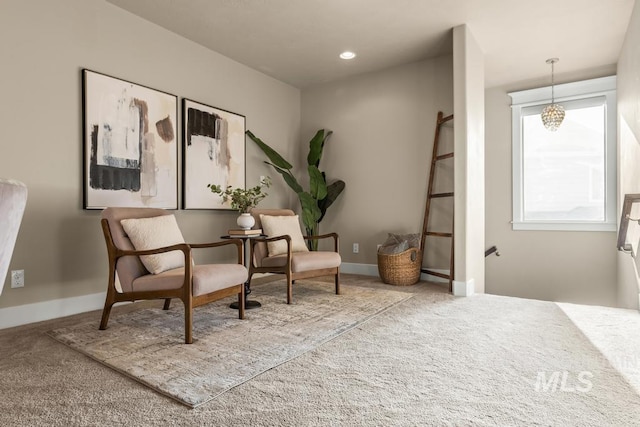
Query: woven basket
[(401, 269)]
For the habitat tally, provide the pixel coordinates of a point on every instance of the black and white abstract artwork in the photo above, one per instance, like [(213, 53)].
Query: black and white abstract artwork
[(214, 153), (130, 144)]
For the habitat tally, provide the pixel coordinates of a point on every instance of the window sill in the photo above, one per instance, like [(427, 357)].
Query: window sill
[(563, 226)]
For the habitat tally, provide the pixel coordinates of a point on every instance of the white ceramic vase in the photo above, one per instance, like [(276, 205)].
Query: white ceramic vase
[(245, 221)]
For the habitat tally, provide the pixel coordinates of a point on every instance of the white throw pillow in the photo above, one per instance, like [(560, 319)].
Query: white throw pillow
[(154, 233), (279, 226)]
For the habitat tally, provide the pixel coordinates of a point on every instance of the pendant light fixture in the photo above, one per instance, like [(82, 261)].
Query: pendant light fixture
[(552, 114)]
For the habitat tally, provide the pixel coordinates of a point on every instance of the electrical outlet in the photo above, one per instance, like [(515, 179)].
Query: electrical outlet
[(17, 278), (356, 248)]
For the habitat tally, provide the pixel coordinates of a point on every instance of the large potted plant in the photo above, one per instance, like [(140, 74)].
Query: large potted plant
[(243, 200), (321, 195)]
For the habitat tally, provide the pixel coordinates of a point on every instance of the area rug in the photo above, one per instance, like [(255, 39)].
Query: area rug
[(148, 344)]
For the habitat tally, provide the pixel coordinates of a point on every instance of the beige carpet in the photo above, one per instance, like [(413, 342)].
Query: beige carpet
[(432, 360), (615, 332), (148, 345)]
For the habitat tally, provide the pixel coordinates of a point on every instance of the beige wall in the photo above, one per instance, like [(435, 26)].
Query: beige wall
[(581, 267), (44, 45), (468, 81), (383, 125), (575, 267), (629, 149)]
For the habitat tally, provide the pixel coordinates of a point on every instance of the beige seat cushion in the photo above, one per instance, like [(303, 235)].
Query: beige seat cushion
[(305, 261), (274, 226), (206, 278)]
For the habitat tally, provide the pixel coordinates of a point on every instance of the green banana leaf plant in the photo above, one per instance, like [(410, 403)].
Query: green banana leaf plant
[(320, 195)]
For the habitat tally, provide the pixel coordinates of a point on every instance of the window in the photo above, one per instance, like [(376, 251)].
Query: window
[(565, 180)]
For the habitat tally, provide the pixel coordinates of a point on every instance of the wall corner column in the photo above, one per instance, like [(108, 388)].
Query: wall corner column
[(468, 95)]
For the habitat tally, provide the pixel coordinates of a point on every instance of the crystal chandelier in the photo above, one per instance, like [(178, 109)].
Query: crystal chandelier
[(552, 114)]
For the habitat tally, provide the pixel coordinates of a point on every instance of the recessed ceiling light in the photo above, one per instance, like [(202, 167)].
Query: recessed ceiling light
[(347, 55)]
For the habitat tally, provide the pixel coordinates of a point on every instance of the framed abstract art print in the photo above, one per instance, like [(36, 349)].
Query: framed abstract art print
[(214, 153), (130, 144)]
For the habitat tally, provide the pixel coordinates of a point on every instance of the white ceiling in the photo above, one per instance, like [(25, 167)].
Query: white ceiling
[(298, 41)]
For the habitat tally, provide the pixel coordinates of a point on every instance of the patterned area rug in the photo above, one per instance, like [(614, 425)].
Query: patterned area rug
[(148, 344)]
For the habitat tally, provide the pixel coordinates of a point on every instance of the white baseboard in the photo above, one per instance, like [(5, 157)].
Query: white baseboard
[(435, 279), (364, 269), (46, 310), (463, 289), (372, 270)]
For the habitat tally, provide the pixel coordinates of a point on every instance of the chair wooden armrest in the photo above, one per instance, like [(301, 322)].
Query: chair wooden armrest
[(184, 247), (273, 239), (322, 236), (335, 236), (237, 242), (253, 243)]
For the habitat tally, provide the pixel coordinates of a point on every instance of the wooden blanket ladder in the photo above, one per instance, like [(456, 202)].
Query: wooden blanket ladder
[(435, 158)]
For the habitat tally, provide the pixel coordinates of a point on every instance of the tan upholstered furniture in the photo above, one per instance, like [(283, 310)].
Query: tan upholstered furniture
[(193, 284), (13, 199), (294, 265)]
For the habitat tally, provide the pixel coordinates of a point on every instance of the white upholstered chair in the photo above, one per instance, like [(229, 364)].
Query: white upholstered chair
[(13, 199), (176, 276)]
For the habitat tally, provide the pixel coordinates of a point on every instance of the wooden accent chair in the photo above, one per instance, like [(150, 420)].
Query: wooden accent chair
[(193, 284), (294, 265)]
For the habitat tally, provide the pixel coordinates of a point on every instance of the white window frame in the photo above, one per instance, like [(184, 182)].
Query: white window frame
[(520, 103)]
